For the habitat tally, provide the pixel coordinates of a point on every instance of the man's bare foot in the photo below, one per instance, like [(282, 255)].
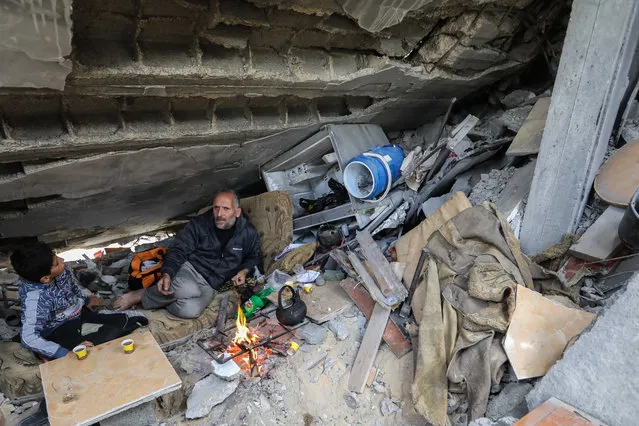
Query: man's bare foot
[(128, 300)]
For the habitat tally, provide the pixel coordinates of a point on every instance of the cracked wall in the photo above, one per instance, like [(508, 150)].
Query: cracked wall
[(169, 100)]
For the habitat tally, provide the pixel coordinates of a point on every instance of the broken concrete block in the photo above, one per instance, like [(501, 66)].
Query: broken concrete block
[(539, 331), (484, 421), (228, 371), (514, 118), (510, 402), (312, 334), (206, 394), (518, 98), (338, 328), (388, 407)]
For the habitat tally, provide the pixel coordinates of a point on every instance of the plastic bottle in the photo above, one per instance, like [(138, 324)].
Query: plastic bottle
[(256, 302)]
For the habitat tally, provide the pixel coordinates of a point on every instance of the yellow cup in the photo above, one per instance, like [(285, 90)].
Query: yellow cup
[(127, 346), (80, 352)]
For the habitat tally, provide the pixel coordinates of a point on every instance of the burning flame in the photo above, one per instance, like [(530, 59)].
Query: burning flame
[(245, 338)]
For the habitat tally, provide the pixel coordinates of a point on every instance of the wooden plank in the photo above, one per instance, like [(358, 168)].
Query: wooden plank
[(368, 349), (601, 240), (108, 381), (341, 259), (597, 56), (380, 266), (323, 303), (618, 179), (393, 335), (369, 282), (528, 138)]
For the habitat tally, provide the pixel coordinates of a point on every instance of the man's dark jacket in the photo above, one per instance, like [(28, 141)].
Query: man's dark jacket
[(199, 244)]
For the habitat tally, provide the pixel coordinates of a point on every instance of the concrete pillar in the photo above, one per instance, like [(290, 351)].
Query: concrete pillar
[(591, 82)]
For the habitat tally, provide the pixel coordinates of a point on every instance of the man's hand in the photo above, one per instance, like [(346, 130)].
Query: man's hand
[(164, 285), (94, 301), (240, 278)]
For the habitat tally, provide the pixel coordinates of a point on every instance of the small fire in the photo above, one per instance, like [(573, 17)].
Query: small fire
[(245, 338)]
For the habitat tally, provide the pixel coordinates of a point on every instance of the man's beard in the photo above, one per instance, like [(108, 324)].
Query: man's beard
[(225, 224)]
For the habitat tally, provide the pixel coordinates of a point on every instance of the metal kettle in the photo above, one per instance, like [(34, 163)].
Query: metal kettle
[(294, 313)]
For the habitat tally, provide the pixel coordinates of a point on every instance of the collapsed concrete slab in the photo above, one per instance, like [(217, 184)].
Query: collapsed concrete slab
[(593, 76), (598, 373), (168, 101)]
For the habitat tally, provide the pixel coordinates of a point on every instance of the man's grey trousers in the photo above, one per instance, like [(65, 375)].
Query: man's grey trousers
[(191, 294)]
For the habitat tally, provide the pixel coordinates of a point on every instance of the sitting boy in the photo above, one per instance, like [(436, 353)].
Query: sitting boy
[(54, 309)]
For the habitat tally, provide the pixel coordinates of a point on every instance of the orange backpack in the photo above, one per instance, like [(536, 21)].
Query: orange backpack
[(139, 278)]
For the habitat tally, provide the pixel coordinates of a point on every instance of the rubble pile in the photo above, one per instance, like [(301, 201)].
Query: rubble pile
[(395, 284)]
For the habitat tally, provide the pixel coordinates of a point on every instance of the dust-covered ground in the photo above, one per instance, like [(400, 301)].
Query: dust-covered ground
[(298, 390)]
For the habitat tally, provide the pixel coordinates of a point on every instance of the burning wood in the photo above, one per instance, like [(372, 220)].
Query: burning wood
[(246, 339)]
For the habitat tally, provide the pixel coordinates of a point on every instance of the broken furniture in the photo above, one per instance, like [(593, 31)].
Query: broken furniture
[(107, 381), (301, 170)]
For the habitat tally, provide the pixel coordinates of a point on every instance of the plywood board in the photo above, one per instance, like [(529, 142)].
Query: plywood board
[(618, 179), (368, 349), (539, 331), (410, 245), (323, 303), (528, 138), (600, 241), (108, 381)]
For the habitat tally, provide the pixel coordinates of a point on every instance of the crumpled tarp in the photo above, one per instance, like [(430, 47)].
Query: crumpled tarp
[(479, 264)]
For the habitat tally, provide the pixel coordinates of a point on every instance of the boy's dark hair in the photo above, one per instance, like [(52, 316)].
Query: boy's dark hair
[(33, 261)]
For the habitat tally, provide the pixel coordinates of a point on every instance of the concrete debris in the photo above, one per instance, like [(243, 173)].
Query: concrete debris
[(141, 415), (228, 371), (338, 328), (379, 387), (491, 185), (7, 332), (388, 407), (488, 128), (312, 334), (514, 118), (630, 132), (510, 402), (483, 421), (518, 98), (206, 394), (351, 400), (590, 215)]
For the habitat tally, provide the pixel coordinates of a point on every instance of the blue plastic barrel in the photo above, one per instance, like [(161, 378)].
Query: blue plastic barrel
[(372, 173)]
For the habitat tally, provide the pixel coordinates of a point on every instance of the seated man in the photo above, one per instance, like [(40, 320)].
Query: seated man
[(54, 309), (211, 249)]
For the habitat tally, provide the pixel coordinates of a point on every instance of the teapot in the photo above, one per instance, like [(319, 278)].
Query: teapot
[(294, 313)]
